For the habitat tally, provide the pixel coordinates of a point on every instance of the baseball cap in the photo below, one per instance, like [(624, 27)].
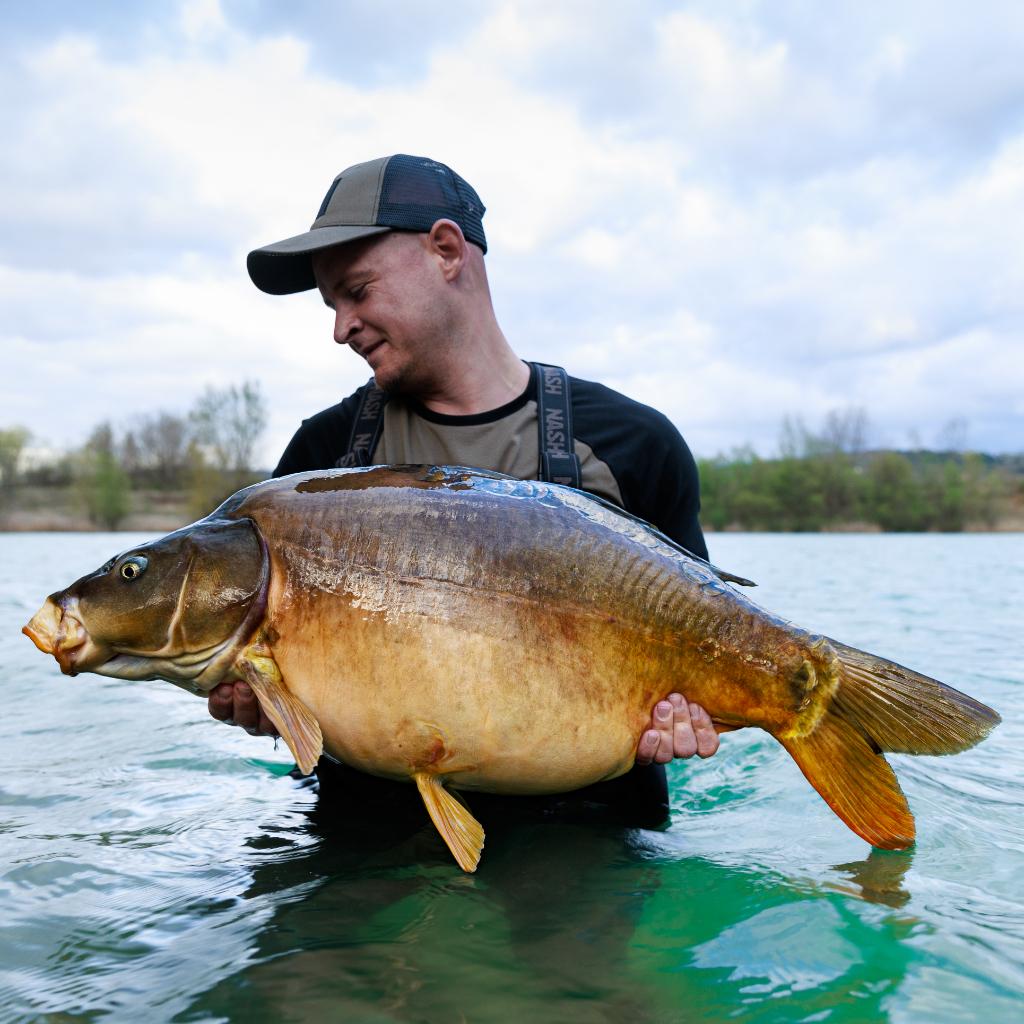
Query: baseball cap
[(393, 193)]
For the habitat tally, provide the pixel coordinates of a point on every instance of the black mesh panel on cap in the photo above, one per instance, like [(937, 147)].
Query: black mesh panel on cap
[(416, 192)]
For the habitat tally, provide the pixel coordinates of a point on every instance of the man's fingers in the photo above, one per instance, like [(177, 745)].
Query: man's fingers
[(703, 731), (663, 712), (236, 704), (221, 702), (684, 742), (647, 748), (247, 708)]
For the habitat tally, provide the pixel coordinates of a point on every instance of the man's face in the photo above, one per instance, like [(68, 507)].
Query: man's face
[(388, 302)]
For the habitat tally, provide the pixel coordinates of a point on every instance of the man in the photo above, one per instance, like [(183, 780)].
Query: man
[(397, 252)]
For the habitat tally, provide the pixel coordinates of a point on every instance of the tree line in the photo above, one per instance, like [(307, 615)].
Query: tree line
[(829, 479), (820, 479), (207, 453)]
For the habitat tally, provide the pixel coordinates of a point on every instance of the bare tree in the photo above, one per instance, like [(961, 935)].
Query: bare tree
[(953, 435), (229, 423), (163, 440), (12, 443), (793, 438), (845, 430)]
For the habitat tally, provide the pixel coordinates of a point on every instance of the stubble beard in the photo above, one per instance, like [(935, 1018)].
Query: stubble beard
[(416, 377)]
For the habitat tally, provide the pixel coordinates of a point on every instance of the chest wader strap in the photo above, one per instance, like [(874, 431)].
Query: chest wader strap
[(366, 428), (559, 463)]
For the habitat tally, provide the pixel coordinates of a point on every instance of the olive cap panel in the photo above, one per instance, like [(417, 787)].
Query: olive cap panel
[(392, 193)]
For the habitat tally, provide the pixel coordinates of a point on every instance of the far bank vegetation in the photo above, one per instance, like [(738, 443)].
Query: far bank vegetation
[(829, 479), (155, 471), (164, 469)]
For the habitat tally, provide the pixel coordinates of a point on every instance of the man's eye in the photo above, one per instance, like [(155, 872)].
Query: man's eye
[(357, 293)]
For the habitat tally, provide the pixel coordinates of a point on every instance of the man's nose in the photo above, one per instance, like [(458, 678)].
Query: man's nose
[(346, 324)]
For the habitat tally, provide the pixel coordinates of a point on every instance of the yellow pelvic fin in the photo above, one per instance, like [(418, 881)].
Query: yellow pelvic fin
[(292, 719), (855, 781), (459, 829)]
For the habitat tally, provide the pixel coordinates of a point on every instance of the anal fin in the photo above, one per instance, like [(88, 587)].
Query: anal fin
[(292, 719), (459, 829)]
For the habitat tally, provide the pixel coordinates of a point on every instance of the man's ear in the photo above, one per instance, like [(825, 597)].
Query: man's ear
[(447, 242)]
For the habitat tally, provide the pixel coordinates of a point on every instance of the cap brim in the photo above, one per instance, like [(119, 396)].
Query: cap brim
[(285, 267)]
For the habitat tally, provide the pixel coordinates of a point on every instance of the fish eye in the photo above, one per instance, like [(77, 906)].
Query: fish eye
[(134, 567)]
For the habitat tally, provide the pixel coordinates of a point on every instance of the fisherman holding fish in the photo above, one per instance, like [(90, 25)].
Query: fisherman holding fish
[(474, 629), (397, 252)]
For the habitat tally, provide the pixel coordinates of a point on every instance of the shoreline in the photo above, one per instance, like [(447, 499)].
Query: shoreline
[(61, 510), (159, 526)]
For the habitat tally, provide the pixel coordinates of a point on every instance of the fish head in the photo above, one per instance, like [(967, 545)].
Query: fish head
[(176, 608)]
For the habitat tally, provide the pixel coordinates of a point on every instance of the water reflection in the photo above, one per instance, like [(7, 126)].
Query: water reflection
[(879, 878), (574, 922)]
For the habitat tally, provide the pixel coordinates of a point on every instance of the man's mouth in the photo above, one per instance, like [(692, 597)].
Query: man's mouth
[(370, 349)]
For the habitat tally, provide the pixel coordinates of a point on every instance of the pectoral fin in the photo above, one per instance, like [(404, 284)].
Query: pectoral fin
[(459, 829), (292, 719)]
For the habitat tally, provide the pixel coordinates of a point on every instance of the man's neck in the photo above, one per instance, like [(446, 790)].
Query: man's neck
[(487, 377)]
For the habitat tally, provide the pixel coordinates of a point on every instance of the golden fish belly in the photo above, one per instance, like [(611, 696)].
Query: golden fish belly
[(530, 700)]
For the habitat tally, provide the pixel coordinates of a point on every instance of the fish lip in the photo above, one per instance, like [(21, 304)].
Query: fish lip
[(40, 643), (81, 655), (72, 642), (43, 629), (56, 629)]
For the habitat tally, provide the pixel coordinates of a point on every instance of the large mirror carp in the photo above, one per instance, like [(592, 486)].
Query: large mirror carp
[(468, 631)]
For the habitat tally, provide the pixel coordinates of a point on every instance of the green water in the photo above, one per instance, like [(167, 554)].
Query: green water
[(157, 866)]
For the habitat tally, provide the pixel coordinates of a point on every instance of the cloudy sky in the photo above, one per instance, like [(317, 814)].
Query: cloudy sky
[(731, 211)]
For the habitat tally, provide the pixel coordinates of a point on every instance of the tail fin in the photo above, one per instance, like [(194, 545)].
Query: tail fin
[(881, 706), (904, 712)]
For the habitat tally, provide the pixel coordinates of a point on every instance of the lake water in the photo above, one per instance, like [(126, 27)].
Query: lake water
[(158, 866)]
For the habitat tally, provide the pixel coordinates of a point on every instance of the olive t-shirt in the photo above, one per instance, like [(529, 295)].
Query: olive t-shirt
[(628, 452)]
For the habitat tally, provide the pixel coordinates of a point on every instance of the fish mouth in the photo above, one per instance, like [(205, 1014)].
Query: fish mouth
[(57, 629), (38, 634)]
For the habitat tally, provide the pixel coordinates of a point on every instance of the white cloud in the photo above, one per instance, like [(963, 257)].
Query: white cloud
[(730, 217)]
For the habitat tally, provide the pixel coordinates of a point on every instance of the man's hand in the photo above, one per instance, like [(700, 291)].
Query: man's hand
[(678, 729), (236, 704)]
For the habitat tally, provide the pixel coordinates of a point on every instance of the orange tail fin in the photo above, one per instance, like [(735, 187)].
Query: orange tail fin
[(881, 706)]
